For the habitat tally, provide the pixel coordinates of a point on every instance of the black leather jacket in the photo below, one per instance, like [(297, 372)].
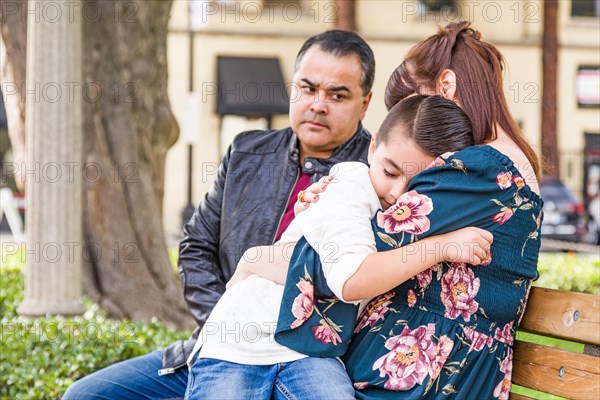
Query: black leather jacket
[(243, 209)]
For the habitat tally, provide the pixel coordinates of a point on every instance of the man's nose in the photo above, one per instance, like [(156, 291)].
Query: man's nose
[(319, 104)]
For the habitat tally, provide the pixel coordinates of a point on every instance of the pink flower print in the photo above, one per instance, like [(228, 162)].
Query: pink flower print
[(505, 335), (502, 390), (407, 363), (524, 303), (478, 339), (504, 180), (507, 364), (503, 216), (459, 288), (302, 308), (436, 163), (360, 385), (424, 278), (444, 347), (374, 311), (447, 154), (325, 334), (441, 160), (519, 181), (407, 215), (412, 298), (487, 261)]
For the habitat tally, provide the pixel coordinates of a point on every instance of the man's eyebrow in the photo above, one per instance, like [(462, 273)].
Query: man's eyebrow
[(331, 88), (340, 88), (313, 84)]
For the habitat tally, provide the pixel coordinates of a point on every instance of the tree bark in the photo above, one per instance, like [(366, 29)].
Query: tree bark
[(13, 27), (128, 127), (550, 155), (346, 15)]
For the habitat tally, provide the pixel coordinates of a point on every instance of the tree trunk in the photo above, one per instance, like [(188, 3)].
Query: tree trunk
[(13, 27), (550, 156), (128, 128), (346, 15)]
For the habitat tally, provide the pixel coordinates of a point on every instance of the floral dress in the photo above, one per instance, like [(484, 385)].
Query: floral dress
[(447, 332)]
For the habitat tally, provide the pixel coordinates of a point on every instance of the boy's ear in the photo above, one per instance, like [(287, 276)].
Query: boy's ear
[(446, 85), (372, 146)]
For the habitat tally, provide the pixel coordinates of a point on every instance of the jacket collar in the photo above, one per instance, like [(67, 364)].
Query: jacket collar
[(353, 149)]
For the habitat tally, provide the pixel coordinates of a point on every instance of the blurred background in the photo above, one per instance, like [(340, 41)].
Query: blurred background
[(159, 89), (213, 101)]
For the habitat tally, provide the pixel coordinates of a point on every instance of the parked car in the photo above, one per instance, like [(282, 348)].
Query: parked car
[(594, 222), (564, 217)]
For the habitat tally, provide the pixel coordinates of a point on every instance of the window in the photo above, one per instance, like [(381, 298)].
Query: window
[(281, 3), (587, 86), (585, 8), (438, 5)]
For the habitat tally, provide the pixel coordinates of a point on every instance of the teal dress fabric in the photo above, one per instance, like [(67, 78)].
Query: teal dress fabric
[(447, 332)]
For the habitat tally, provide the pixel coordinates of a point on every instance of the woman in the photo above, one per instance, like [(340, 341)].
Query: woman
[(250, 364), (448, 332)]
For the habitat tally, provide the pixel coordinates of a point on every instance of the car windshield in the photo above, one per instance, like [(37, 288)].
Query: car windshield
[(557, 193)]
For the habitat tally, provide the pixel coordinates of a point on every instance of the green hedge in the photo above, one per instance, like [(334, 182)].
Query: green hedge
[(568, 271), (40, 358)]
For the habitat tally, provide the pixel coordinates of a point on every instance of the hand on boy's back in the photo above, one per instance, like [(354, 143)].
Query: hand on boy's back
[(311, 194)]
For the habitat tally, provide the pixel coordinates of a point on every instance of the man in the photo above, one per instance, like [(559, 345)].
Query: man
[(252, 199)]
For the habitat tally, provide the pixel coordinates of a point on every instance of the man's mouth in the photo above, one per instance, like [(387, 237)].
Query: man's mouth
[(315, 124)]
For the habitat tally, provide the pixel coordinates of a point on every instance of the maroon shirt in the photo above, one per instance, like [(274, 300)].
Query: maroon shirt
[(302, 183)]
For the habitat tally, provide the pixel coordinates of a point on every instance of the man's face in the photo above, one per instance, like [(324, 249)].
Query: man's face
[(326, 102)]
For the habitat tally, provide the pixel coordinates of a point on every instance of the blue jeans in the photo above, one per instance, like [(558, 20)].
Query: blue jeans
[(305, 379), (135, 379)]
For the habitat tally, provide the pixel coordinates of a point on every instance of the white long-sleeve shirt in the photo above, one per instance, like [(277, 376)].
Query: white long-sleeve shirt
[(241, 327)]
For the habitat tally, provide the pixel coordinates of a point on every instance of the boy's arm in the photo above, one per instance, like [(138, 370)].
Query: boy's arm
[(385, 270), (338, 228), (269, 262)]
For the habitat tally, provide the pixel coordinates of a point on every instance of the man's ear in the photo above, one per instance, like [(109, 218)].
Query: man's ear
[(446, 85), (372, 146), (365, 105)]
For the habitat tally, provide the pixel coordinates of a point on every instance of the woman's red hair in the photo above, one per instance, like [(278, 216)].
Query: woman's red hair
[(478, 68)]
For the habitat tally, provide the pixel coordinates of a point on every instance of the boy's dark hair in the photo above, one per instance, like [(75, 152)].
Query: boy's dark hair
[(341, 44), (436, 124)]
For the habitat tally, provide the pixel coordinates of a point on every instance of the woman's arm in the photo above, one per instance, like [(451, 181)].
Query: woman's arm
[(383, 271)]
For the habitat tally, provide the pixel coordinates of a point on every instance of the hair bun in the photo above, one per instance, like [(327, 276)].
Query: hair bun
[(453, 29), (392, 91)]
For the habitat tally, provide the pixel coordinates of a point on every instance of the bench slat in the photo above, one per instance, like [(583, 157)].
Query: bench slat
[(514, 396), (539, 367), (564, 315)]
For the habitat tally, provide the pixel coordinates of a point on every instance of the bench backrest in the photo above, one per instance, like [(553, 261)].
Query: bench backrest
[(563, 315)]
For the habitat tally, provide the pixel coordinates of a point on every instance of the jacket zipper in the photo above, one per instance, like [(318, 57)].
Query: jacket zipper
[(166, 371), (171, 370), (286, 205)]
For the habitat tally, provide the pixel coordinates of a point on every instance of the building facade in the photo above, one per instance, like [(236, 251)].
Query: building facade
[(201, 31)]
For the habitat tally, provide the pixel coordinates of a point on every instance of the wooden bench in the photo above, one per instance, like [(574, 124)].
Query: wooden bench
[(564, 315)]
